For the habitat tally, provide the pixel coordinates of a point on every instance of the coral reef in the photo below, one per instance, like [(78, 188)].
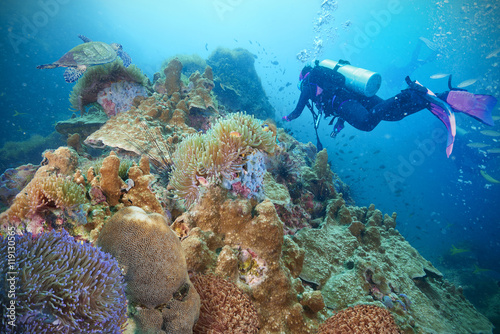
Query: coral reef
[(357, 256), (84, 125), (251, 239), (218, 155), (98, 78), (51, 190), (237, 84), (224, 307), (118, 97), (13, 180), (61, 286), (154, 267), (360, 319), (27, 151)]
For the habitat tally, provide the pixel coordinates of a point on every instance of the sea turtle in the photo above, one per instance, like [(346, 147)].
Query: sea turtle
[(87, 54)]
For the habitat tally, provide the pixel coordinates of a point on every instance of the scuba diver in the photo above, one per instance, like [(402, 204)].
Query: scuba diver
[(348, 94)]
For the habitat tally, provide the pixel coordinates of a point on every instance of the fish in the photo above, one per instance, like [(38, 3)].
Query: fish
[(206, 46), (235, 134), (222, 86), (439, 75), (351, 137), (493, 53), (265, 127), (477, 145), (488, 177), (281, 88), (491, 133), (495, 118), (493, 150), (202, 180), (376, 152), (466, 83)]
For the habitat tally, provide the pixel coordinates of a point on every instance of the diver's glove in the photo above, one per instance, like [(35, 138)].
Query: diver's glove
[(339, 125), (285, 118)]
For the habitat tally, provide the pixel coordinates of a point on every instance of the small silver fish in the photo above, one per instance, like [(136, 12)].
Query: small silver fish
[(466, 83), (439, 76), (493, 53), (477, 145)]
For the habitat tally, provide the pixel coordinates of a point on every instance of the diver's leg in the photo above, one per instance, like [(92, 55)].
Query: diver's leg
[(398, 107), (354, 113)]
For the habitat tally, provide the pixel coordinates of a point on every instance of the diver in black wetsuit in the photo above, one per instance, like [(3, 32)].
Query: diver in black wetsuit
[(327, 89)]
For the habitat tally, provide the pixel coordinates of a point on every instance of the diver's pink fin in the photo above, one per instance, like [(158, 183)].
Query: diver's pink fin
[(449, 122), (475, 105)]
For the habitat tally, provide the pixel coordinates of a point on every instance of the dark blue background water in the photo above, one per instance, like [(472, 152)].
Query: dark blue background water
[(440, 202)]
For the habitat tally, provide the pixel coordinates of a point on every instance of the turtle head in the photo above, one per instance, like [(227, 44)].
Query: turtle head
[(116, 46)]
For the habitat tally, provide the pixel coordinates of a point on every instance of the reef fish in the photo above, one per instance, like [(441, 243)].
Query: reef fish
[(235, 134), (493, 53), (494, 150), (491, 133), (202, 180), (477, 145), (438, 75), (495, 118), (488, 177), (466, 83)]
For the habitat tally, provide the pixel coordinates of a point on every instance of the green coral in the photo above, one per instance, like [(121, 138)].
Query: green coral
[(218, 154)]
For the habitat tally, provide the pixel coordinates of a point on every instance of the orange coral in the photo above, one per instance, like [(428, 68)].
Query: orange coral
[(360, 319), (224, 307)]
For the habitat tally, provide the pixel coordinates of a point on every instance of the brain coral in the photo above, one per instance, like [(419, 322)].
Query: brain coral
[(62, 286), (220, 153), (360, 319), (224, 307), (153, 263)]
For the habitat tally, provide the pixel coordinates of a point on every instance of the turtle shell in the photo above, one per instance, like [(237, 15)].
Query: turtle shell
[(92, 53)]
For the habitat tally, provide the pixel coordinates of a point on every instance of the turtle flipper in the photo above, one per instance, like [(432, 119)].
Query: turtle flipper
[(125, 57), (73, 73), (47, 66), (84, 39)]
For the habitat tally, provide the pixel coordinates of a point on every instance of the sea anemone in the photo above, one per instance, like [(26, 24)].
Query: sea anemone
[(219, 154), (60, 286)]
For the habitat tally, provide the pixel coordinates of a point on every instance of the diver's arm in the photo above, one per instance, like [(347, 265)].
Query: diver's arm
[(305, 95)]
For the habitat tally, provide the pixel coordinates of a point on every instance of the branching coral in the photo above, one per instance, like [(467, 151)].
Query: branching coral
[(360, 319), (97, 78), (224, 307), (62, 286), (218, 154)]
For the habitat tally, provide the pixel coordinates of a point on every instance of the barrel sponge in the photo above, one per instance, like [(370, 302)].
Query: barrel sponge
[(360, 319), (62, 286), (224, 307), (149, 253)]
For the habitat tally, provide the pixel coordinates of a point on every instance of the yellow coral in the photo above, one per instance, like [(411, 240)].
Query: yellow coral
[(220, 153)]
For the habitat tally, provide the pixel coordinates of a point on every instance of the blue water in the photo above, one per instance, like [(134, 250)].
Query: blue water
[(440, 201)]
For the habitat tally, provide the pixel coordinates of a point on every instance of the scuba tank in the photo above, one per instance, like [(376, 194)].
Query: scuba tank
[(361, 81)]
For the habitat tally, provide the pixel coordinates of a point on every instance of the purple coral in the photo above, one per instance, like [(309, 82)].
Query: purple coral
[(59, 285)]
